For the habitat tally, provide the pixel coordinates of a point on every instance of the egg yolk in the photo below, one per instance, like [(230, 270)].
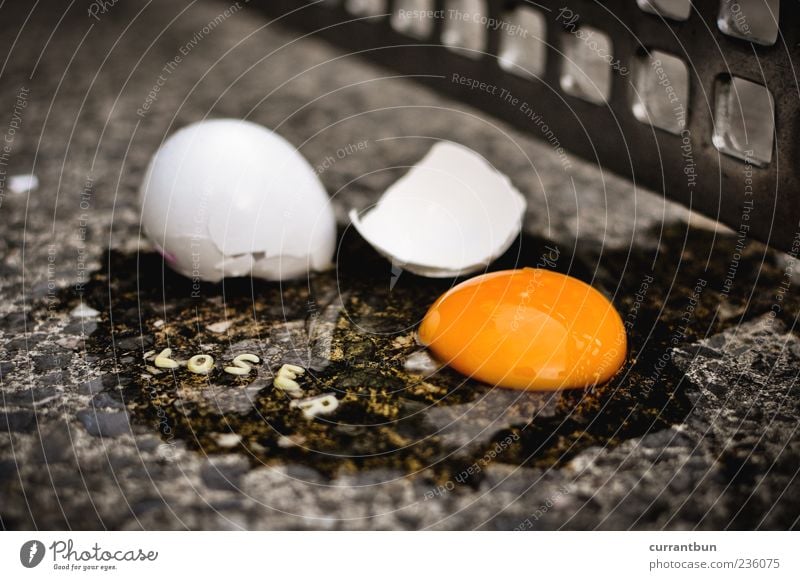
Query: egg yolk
[(529, 329)]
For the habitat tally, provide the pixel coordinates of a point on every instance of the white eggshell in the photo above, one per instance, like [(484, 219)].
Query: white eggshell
[(231, 198), (451, 214)]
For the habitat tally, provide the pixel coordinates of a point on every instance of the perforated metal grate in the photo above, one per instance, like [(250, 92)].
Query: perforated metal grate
[(698, 100)]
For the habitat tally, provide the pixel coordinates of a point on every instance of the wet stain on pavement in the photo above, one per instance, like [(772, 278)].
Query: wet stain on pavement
[(353, 329)]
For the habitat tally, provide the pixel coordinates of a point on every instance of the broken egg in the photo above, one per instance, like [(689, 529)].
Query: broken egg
[(231, 198), (530, 329), (450, 215)]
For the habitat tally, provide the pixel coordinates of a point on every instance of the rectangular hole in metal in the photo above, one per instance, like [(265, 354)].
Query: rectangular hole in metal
[(744, 120), (367, 7), (414, 17), (586, 65), (672, 9), (753, 20), (660, 90), (523, 47), (465, 27)]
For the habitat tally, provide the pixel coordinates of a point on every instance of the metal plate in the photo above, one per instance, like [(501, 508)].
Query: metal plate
[(757, 199)]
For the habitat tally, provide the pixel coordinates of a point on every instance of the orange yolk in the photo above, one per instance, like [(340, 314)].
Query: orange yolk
[(527, 329)]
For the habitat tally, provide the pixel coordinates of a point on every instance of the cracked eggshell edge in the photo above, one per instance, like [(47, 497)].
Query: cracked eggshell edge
[(515, 199)]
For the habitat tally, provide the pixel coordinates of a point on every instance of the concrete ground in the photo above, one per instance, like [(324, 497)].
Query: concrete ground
[(699, 431)]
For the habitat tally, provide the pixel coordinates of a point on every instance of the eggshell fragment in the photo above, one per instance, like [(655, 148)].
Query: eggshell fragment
[(23, 183), (226, 198), (451, 214)]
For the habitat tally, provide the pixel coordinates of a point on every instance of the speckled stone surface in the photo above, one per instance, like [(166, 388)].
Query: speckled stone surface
[(698, 431)]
